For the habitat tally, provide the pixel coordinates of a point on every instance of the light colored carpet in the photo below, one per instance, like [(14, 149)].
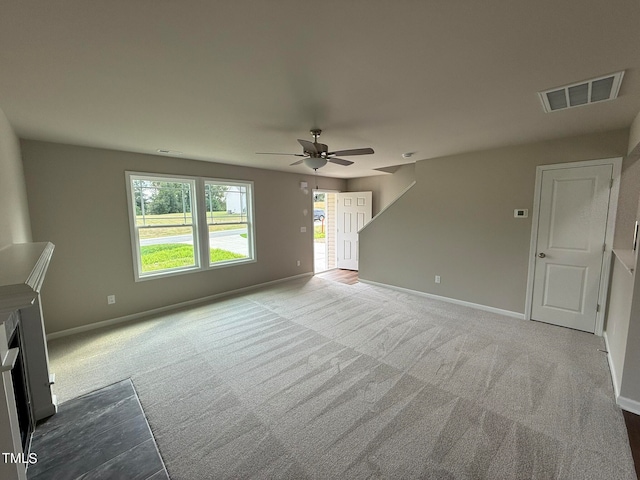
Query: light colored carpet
[(315, 379)]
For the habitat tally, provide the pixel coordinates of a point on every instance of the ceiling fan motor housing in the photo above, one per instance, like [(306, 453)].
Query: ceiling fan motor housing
[(322, 150)]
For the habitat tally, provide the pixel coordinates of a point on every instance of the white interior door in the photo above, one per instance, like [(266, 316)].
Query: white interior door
[(354, 211), (572, 223)]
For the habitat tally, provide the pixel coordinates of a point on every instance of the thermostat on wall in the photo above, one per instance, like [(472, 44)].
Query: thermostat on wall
[(521, 213)]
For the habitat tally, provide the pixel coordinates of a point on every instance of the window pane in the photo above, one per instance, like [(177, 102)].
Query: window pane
[(166, 248), (227, 219), (228, 242), (226, 203), (163, 217), (162, 202)]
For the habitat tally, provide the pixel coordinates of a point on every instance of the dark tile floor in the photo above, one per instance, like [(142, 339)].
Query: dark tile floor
[(100, 435)]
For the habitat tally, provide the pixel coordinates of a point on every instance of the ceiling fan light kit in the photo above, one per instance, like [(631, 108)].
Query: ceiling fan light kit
[(317, 155), (315, 163)]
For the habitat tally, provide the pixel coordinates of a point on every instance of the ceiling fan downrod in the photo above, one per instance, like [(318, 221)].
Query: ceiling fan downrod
[(316, 133)]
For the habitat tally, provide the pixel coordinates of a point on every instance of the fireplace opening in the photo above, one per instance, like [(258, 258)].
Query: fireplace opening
[(21, 391)]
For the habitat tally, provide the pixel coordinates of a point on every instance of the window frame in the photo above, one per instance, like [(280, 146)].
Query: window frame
[(200, 224), (248, 184)]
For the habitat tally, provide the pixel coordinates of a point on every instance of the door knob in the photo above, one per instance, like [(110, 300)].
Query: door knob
[(541, 255)]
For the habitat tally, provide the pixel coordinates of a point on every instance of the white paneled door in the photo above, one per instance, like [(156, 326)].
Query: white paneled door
[(572, 223), (354, 211)]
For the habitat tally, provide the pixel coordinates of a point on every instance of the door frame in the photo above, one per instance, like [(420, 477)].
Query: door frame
[(313, 226), (616, 162)]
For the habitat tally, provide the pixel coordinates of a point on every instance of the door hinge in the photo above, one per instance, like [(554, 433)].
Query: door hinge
[(611, 183), (604, 247), (598, 308)]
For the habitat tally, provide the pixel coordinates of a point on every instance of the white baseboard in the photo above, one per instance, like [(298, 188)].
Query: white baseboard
[(477, 306), (629, 405), (624, 403), (134, 316), (612, 367)]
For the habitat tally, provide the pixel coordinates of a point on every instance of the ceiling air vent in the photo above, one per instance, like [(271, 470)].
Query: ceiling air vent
[(583, 93)]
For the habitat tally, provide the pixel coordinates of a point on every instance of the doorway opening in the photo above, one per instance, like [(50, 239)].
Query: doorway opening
[(324, 230)]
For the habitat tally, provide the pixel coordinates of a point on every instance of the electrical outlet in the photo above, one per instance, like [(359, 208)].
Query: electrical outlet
[(437, 278), (298, 263), (303, 229), (111, 299)]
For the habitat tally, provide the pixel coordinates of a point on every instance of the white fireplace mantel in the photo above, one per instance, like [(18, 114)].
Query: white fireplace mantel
[(22, 270)]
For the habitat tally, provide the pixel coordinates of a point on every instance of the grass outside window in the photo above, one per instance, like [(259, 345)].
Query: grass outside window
[(175, 255)]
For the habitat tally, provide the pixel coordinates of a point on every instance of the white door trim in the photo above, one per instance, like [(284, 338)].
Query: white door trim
[(315, 191), (611, 222)]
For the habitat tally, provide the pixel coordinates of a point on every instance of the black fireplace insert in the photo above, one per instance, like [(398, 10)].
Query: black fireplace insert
[(26, 421)]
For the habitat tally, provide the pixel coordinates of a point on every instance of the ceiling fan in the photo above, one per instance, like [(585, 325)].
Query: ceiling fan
[(316, 155)]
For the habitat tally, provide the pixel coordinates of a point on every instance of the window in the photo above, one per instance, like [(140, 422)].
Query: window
[(230, 232), (165, 233), (184, 224)]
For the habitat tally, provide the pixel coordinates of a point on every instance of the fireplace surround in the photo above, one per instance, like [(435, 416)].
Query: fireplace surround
[(24, 360)]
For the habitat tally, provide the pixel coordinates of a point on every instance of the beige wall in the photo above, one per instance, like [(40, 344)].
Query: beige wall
[(457, 221), (14, 212), (629, 190), (628, 201), (77, 200), (385, 188)]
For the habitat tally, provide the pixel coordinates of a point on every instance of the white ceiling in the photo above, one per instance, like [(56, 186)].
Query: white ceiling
[(221, 80)]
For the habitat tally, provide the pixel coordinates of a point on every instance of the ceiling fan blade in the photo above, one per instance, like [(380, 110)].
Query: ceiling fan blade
[(296, 163), (308, 146), (272, 153), (340, 161), (355, 151)]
